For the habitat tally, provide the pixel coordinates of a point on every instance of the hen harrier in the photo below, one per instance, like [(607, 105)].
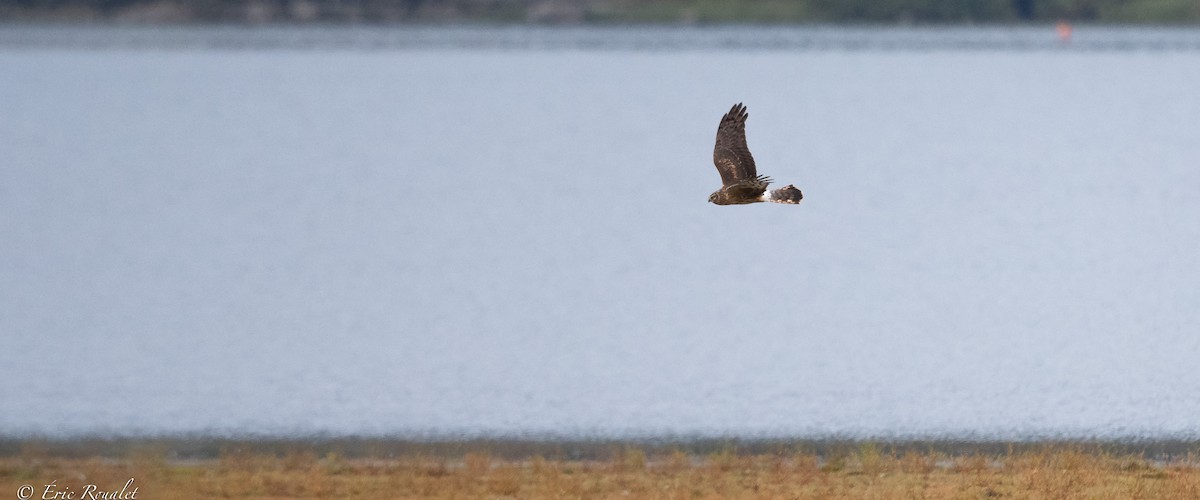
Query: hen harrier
[(741, 183)]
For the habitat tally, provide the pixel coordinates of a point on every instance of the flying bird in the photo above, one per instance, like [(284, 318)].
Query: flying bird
[(740, 182)]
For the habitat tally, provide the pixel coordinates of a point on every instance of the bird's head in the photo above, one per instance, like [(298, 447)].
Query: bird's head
[(715, 198)]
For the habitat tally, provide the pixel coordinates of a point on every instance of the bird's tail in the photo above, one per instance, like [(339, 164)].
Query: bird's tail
[(787, 194)]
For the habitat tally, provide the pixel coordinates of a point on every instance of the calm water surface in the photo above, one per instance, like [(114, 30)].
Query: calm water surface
[(395, 231)]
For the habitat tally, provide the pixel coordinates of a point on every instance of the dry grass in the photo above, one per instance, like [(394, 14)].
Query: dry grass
[(862, 471)]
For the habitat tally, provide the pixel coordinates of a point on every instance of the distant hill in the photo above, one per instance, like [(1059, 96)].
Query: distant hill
[(603, 11)]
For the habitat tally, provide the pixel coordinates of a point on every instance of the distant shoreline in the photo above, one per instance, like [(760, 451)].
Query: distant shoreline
[(592, 38), (206, 447), (601, 11)]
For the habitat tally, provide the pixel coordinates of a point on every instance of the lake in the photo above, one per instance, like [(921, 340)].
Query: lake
[(486, 231)]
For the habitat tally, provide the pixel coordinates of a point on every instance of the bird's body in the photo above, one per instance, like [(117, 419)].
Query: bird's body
[(740, 182)]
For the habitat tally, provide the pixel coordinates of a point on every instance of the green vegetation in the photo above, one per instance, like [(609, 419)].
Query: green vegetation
[(608, 11)]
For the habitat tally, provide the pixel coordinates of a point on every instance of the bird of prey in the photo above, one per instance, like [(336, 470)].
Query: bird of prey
[(740, 182)]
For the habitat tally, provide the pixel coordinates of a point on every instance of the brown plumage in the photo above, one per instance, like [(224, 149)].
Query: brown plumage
[(740, 182)]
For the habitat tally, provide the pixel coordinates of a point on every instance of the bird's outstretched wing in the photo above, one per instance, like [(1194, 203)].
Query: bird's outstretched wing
[(731, 155)]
